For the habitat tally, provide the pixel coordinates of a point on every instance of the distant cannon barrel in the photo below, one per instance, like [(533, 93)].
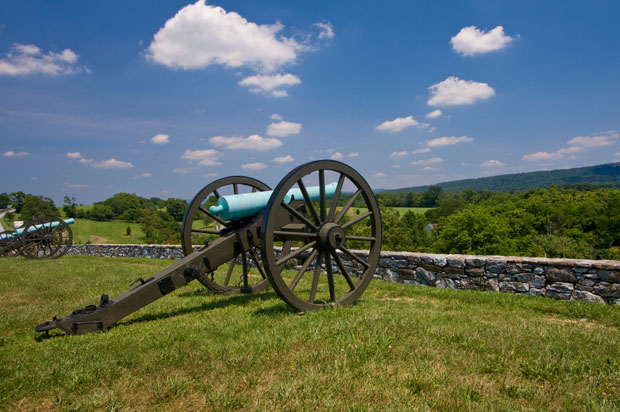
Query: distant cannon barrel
[(33, 228), (250, 204)]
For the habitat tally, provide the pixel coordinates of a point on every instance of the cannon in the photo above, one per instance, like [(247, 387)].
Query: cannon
[(43, 238), (302, 226)]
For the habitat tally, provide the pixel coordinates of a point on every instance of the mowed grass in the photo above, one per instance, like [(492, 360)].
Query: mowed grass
[(401, 210), (399, 348), (85, 230)]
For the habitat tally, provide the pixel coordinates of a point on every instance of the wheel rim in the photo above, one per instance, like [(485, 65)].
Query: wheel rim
[(238, 276), (324, 239), (46, 238), (9, 244)]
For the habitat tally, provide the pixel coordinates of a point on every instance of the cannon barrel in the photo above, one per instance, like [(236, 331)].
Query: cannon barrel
[(35, 227), (250, 204)]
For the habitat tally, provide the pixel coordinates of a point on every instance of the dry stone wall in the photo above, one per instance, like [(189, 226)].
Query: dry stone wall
[(570, 279)]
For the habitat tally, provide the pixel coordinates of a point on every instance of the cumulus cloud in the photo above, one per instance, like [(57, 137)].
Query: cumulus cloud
[(454, 91), (431, 161), (423, 150), (160, 139), (538, 156), (397, 155), (354, 154), (430, 169), (283, 159), (434, 114), (200, 35), (571, 150), (336, 156), (398, 124), (448, 141), (327, 30), (491, 163), (112, 164), (596, 140), (380, 174), (26, 59), (273, 84), (143, 176), (254, 166), (85, 160), (276, 117), (283, 129), (11, 153), (254, 142), (74, 155), (471, 40), (206, 157)]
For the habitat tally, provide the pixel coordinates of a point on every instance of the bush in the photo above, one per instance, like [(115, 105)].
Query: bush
[(159, 227), (100, 212), (38, 206)]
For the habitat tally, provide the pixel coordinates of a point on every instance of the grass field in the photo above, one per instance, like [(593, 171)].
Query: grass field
[(85, 230), (401, 210), (400, 348)]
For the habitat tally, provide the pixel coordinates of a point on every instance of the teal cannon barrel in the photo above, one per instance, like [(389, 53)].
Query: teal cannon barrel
[(31, 229), (250, 204)]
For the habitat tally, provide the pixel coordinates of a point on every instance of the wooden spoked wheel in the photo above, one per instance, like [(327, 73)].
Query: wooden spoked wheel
[(245, 273), (46, 238), (10, 244), (322, 237)]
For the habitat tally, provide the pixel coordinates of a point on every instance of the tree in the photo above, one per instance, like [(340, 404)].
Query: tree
[(38, 206), (176, 208), (4, 200), (101, 212), (121, 202), (431, 196), (159, 227), (16, 199), (70, 206)]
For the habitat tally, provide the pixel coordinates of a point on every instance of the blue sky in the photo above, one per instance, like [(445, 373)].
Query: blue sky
[(160, 98)]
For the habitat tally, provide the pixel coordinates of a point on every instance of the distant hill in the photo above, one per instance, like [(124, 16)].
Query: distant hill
[(605, 174)]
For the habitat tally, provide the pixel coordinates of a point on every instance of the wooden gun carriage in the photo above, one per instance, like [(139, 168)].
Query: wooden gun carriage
[(44, 238), (282, 235)]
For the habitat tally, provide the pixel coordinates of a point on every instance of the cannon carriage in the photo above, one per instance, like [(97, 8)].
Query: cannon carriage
[(43, 238), (296, 238)]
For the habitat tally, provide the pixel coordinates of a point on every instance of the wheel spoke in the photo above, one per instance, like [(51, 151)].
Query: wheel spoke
[(244, 265), (287, 233), (210, 232), (343, 270), (258, 266), (303, 269), (330, 277), (206, 212), (309, 203), (347, 206), (216, 193), (354, 257), (230, 269), (356, 219), (362, 238), (332, 208), (300, 216), (235, 189), (315, 279), (322, 194), (297, 252)]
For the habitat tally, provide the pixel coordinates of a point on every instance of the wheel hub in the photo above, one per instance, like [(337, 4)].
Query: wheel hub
[(331, 236)]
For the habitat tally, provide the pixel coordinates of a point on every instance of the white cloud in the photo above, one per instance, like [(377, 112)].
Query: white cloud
[(396, 155), (254, 166), (471, 40), (448, 141), (336, 156), (160, 139), (26, 59), (538, 156), (397, 124), (143, 176), (283, 129), (270, 83), (431, 161), (327, 30), (283, 159), (596, 140), (74, 155), (85, 161), (276, 117), (430, 169), (454, 91), (183, 170), (434, 114), (76, 186), (200, 35), (492, 163), (254, 142), (11, 153), (207, 157), (112, 164), (419, 151), (355, 154), (571, 149), (380, 174)]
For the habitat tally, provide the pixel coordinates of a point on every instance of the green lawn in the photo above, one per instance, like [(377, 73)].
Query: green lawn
[(400, 348), (85, 230), (401, 210)]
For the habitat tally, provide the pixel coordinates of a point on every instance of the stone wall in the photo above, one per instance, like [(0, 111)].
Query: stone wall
[(571, 279)]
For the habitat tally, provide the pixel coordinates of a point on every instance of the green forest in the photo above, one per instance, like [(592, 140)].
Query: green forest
[(552, 222)]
